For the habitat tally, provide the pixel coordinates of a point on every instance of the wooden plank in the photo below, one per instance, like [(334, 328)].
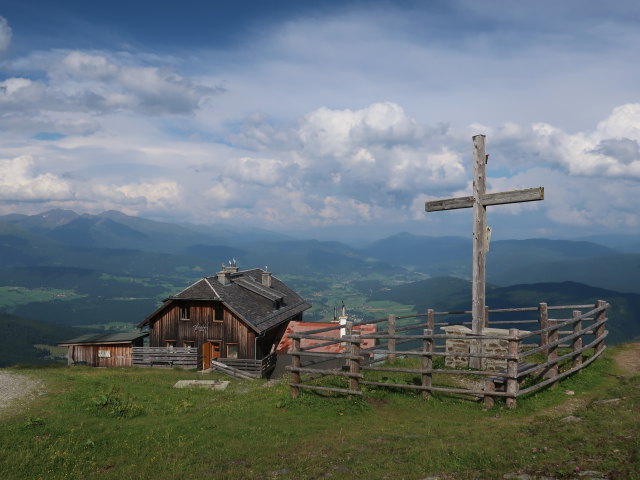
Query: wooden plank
[(479, 246), (488, 199), (295, 363), (512, 369), (544, 383), (576, 344), (433, 389), (354, 362), (325, 389), (513, 196), (332, 371), (448, 204), (392, 340), (601, 318), (427, 363)]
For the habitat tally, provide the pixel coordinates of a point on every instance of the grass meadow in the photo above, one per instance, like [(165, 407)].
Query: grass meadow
[(131, 423)]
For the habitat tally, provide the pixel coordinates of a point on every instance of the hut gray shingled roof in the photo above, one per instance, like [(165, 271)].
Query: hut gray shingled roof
[(260, 307), (100, 338)]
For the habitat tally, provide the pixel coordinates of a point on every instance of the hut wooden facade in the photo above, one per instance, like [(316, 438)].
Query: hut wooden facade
[(103, 350), (236, 317)]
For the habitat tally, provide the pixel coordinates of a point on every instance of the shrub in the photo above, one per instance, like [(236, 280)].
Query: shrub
[(113, 404)]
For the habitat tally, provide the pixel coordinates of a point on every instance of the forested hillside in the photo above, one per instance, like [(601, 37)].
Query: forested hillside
[(109, 271)]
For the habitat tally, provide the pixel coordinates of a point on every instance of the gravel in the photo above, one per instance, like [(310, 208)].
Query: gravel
[(14, 387)]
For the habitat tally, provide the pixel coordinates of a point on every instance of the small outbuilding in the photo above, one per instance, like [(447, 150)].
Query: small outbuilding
[(103, 349)]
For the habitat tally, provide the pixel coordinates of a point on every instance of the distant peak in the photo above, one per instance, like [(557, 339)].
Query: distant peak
[(112, 214), (57, 217)]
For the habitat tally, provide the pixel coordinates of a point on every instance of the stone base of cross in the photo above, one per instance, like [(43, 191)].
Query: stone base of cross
[(480, 200)]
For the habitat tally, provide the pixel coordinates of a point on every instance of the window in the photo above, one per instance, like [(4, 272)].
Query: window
[(218, 315), (232, 350), (190, 344), (170, 343), (184, 313)]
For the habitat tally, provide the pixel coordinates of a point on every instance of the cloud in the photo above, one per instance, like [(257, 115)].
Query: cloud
[(5, 35), (142, 195), (79, 88), (611, 149), (20, 181), (148, 90)]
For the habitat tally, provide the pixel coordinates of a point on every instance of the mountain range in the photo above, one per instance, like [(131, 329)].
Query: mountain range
[(110, 270)]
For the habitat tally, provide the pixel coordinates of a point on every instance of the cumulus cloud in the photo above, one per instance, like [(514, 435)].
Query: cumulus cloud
[(80, 87), (21, 181), (149, 90), (375, 155), (5, 35), (610, 149), (147, 194)]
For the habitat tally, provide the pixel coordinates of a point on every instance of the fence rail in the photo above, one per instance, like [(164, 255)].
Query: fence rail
[(164, 357), (507, 352), (187, 357)]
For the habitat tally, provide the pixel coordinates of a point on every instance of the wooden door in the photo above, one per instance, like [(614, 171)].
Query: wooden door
[(210, 351)]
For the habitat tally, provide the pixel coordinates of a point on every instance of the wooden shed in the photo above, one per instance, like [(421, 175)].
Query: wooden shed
[(236, 317), (103, 349)]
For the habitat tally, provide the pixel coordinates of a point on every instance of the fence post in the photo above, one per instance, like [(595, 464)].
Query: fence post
[(552, 352), (431, 319), (354, 363), (512, 367), (295, 363), (489, 387), (427, 361), (601, 329), (543, 315), (391, 344), (576, 344), (486, 316)]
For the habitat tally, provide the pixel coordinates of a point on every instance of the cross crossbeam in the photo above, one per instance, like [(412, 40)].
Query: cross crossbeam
[(502, 198), (479, 201)]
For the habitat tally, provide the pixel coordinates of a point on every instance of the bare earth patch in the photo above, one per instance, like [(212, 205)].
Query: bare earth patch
[(628, 360), (14, 387)]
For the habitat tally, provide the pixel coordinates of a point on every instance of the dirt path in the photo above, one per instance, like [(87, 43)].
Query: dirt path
[(14, 387), (628, 360)]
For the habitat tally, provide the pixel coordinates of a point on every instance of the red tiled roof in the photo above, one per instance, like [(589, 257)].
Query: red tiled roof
[(300, 327)]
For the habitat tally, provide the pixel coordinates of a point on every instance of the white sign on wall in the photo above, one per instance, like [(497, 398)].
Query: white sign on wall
[(104, 353)]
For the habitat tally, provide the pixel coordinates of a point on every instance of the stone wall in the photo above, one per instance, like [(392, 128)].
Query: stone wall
[(492, 346)]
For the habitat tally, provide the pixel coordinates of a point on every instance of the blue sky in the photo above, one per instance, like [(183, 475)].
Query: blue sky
[(323, 118)]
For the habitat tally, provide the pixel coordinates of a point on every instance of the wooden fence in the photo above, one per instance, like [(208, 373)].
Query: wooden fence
[(581, 334), (252, 368), (165, 357), (186, 357)]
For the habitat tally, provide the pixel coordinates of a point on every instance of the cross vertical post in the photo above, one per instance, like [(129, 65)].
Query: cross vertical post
[(479, 235), (479, 201)]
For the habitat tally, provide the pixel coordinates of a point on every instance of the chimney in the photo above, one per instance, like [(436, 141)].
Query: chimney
[(224, 277), (266, 278)]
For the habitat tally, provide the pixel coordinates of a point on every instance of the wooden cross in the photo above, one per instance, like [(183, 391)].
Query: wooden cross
[(479, 201)]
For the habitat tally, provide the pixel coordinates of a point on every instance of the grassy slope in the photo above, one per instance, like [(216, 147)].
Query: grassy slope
[(254, 431)]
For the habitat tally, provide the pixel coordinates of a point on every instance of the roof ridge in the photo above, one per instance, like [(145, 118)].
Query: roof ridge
[(185, 289), (211, 286)]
